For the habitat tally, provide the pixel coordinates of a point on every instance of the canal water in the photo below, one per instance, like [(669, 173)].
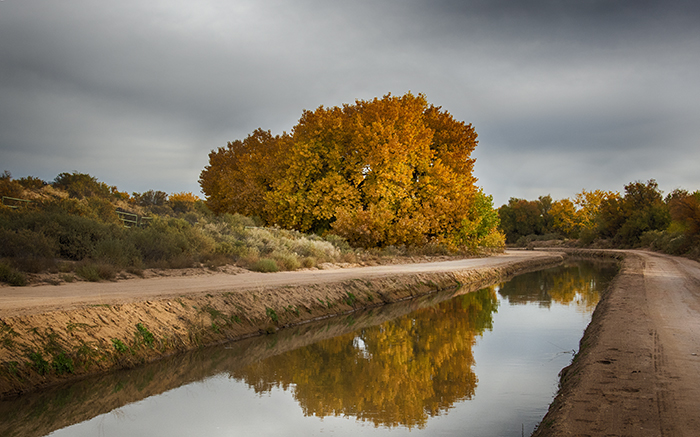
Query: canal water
[(484, 363)]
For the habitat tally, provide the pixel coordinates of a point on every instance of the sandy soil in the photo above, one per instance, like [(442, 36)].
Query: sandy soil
[(47, 298), (638, 369)]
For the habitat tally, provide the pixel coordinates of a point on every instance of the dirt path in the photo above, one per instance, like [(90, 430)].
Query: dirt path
[(638, 370), (44, 298)]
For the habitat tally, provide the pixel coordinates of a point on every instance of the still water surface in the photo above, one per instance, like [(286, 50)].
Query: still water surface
[(484, 363)]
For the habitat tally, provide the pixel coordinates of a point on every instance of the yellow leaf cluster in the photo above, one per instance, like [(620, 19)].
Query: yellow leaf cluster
[(571, 217)]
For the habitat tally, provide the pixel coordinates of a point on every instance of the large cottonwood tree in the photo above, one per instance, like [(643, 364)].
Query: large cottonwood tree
[(387, 171)]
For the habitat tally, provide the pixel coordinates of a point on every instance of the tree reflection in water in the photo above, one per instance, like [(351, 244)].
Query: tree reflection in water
[(574, 282), (417, 366), (397, 373)]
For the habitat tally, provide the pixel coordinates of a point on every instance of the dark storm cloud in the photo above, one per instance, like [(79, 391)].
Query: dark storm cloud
[(565, 95)]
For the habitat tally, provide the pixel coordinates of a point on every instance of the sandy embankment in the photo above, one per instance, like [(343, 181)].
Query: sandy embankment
[(637, 372), (97, 326)]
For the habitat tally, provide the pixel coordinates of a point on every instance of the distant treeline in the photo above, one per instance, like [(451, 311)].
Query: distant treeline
[(641, 217)]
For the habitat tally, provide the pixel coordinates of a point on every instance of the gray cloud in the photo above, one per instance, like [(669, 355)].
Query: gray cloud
[(565, 95)]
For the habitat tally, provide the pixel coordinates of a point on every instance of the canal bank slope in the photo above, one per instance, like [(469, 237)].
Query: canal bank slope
[(50, 333), (637, 372)]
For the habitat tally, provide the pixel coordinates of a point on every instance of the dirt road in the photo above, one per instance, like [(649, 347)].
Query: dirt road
[(638, 370), (32, 300)]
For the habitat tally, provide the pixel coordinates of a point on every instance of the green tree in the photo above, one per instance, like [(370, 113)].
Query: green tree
[(82, 185), (644, 210), (8, 186), (520, 218), (150, 198)]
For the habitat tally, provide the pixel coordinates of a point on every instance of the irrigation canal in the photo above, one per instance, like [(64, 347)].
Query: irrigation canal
[(480, 363)]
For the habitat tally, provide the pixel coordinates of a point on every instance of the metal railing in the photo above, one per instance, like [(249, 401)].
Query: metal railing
[(12, 202), (130, 219)]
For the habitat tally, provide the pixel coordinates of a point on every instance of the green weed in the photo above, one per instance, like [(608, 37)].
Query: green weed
[(7, 336), (292, 309), (271, 314), (12, 367), (119, 345), (62, 363), (213, 312), (145, 335), (39, 363), (86, 354)]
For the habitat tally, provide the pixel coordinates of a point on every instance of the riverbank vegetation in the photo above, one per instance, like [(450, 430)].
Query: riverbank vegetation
[(639, 217), (81, 228)]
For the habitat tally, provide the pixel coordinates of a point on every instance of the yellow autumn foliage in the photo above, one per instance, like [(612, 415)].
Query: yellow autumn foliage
[(389, 171)]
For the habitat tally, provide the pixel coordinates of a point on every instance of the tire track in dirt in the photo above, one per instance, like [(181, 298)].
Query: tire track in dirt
[(638, 371)]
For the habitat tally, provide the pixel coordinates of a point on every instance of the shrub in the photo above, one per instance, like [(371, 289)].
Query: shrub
[(182, 202), (94, 272), (673, 243), (181, 261), (32, 183), (308, 262), (8, 187), (29, 251), (286, 261), (119, 252), (237, 220), (265, 265), (150, 198), (88, 272), (77, 236), (11, 276), (24, 243), (81, 185)]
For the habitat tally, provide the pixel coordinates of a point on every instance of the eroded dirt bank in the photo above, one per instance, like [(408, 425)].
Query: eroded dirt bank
[(637, 372), (49, 334)]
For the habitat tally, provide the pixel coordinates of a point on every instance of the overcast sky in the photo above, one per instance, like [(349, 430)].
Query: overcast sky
[(565, 94)]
